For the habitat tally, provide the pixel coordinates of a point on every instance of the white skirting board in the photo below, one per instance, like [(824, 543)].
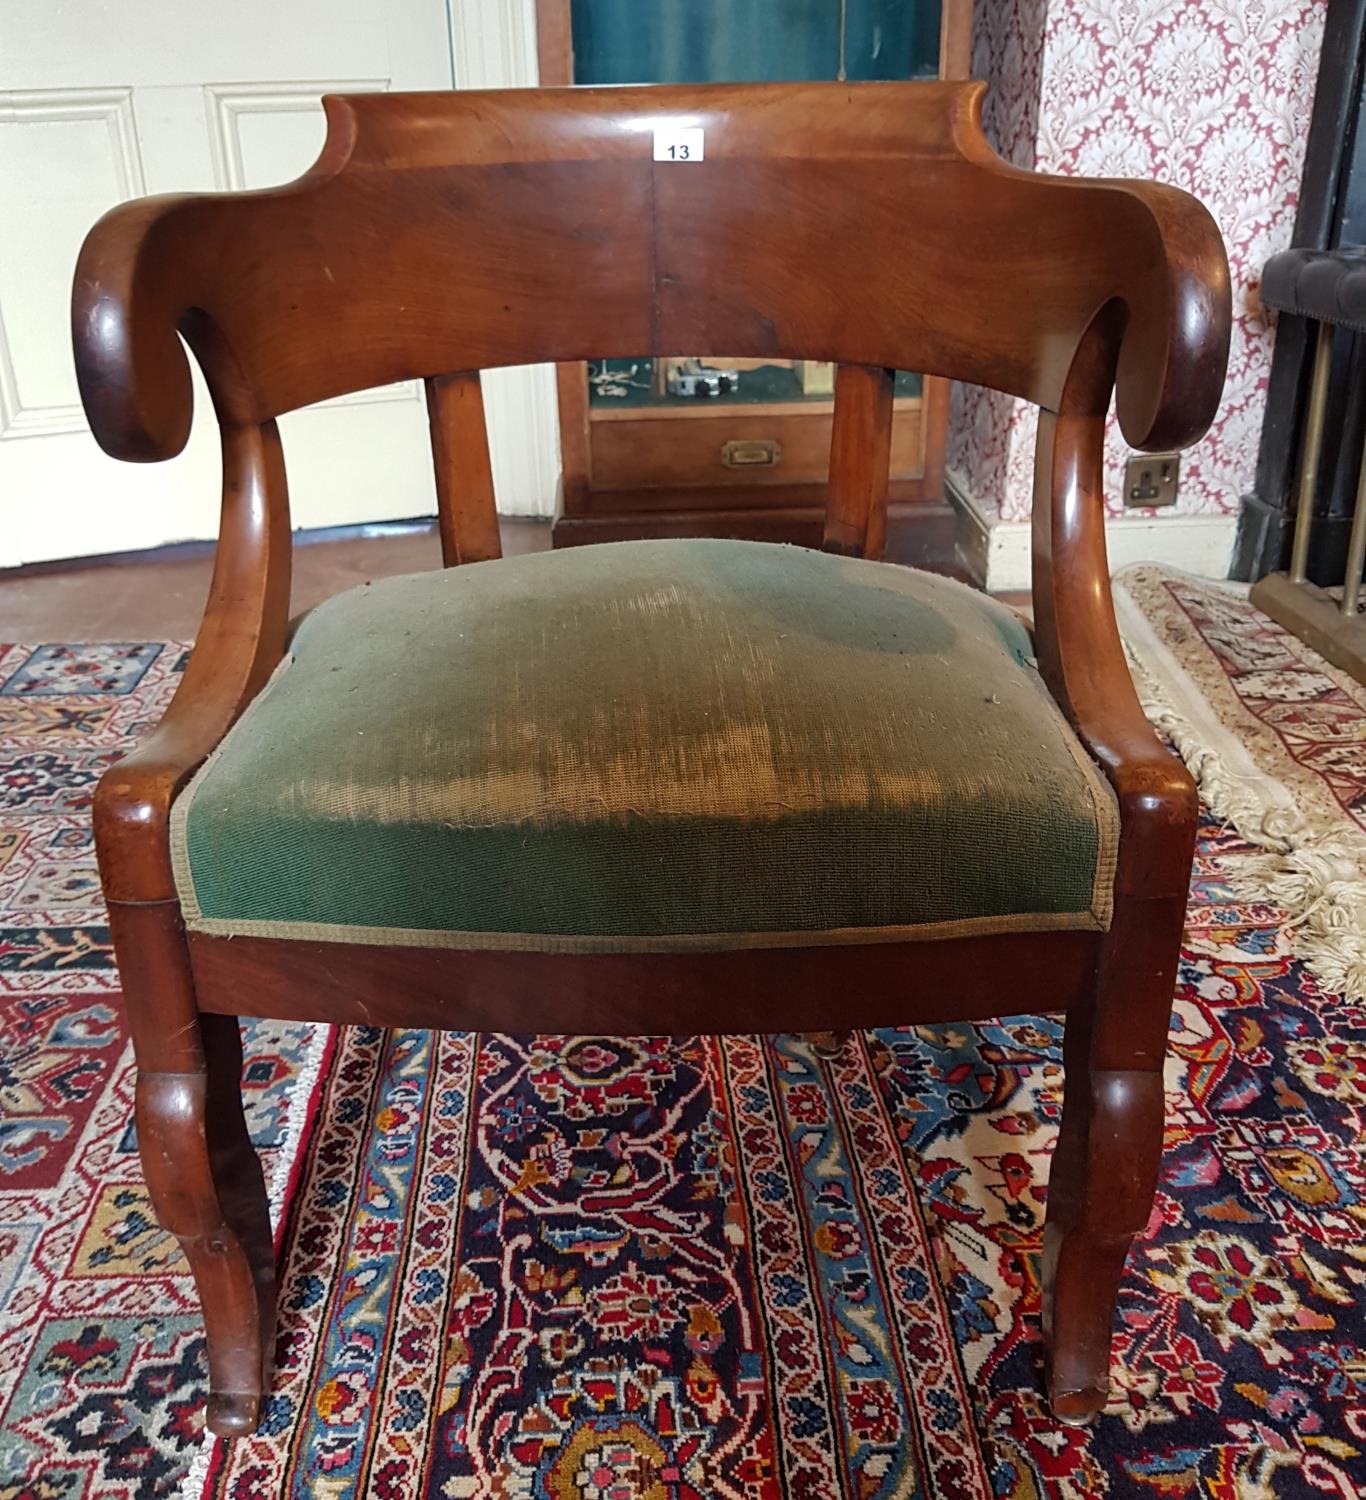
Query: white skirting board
[(1198, 544)]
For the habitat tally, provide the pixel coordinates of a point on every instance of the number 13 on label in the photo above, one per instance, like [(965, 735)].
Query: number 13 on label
[(679, 144)]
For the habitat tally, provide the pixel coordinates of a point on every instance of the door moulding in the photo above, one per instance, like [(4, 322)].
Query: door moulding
[(113, 106)]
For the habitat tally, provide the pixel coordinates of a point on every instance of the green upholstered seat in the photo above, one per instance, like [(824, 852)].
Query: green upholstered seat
[(650, 746)]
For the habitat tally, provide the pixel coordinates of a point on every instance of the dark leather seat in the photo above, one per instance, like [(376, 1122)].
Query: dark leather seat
[(1326, 285)]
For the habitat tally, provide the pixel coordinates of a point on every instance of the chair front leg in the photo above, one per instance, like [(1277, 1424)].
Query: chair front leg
[(202, 1174), (1105, 1168), (1100, 1194)]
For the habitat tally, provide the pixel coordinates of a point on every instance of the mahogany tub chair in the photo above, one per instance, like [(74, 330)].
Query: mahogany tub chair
[(690, 786)]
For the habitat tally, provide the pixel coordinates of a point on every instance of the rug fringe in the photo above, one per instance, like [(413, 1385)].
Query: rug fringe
[(1313, 868), (1324, 896)]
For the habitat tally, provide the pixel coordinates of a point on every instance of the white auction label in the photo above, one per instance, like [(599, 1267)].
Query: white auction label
[(679, 144)]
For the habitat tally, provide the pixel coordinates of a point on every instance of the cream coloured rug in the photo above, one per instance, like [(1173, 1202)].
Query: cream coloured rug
[(1276, 738)]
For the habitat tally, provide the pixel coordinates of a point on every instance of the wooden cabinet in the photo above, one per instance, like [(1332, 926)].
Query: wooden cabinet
[(640, 458)]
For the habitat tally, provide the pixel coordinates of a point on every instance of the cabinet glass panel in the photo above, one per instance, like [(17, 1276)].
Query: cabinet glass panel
[(753, 41), (739, 41)]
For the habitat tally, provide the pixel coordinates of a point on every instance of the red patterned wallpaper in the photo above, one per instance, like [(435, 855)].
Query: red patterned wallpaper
[(1212, 95)]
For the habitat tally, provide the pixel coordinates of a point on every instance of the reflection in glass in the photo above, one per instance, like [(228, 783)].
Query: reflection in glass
[(716, 380)]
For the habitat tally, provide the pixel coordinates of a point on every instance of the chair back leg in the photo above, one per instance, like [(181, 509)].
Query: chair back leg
[(827, 1045)]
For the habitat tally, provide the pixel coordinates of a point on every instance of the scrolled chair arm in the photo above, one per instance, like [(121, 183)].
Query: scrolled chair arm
[(1173, 349), (142, 412), (1156, 339), (1163, 355), (131, 368)]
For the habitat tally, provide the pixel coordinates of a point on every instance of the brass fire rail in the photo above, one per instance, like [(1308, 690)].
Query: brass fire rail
[(1329, 289)]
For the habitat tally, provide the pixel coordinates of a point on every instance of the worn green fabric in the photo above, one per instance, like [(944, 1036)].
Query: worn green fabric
[(650, 745)]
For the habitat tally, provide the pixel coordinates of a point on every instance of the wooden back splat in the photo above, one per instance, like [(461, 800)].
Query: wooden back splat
[(466, 511), (860, 461)]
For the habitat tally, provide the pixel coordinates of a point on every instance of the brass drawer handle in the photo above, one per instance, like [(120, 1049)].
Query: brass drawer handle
[(750, 453)]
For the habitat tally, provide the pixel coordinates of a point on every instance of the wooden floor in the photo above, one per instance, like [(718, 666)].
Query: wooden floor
[(161, 597)]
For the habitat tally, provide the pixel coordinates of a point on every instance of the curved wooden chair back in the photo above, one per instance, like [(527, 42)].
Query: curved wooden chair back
[(445, 232)]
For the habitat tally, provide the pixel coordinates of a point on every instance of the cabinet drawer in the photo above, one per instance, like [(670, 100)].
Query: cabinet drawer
[(644, 449)]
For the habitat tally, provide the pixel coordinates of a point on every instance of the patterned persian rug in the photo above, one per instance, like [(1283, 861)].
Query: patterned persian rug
[(101, 1360), (649, 1269)]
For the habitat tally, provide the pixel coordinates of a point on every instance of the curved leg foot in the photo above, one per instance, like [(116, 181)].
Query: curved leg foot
[(1099, 1197), (208, 1190), (237, 1173), (827, 1045), (233, 1413)]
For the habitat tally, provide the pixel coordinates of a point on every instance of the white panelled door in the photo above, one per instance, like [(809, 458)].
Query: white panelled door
[(105, 102)]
